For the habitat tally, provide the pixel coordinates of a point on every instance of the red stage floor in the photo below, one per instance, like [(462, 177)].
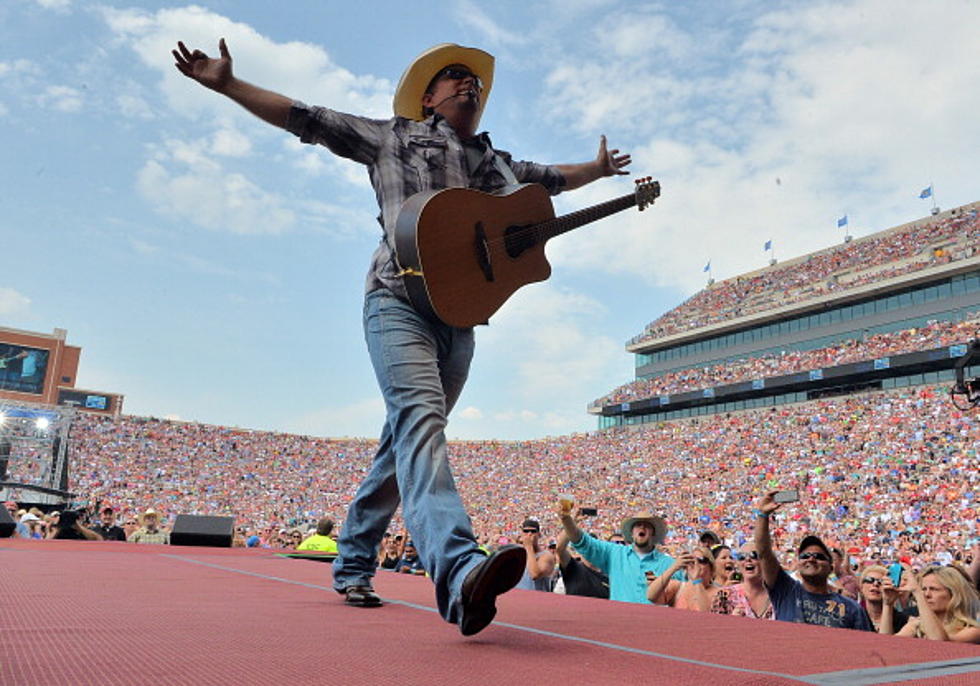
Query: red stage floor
[(76, 613)]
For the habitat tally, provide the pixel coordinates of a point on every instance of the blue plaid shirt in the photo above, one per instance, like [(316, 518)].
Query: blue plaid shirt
[(405, 157)]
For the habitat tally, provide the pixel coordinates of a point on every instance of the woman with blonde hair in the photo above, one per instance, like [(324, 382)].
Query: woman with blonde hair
[(948, 606)]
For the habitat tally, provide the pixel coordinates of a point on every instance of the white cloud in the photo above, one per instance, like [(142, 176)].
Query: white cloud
[(189, 185), (548, 338), (470, 413), (360, 418), (852, 106), (229, 142), (134, 107), (470, 15), (297, 69), (61, 98), (54, 4), (12, 302)]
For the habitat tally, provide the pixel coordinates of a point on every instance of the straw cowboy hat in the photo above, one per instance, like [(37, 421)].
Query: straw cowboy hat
[(658, 524), (150, 513), (411, 88)]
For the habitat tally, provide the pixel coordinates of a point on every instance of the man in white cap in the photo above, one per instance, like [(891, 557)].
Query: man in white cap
[(421, 365)]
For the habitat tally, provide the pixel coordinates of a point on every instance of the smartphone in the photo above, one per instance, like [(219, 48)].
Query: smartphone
[(790, 496), (588, 511), (895, 572)]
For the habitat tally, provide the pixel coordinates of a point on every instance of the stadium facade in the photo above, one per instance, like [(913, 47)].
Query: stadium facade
[(935, 277)]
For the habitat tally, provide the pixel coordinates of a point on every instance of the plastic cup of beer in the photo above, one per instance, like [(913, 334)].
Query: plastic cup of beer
[(566, 501)]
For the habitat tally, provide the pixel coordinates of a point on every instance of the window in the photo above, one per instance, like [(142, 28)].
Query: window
[(945, 290)]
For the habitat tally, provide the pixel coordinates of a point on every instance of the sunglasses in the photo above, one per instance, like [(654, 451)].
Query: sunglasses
[(530, 531), (872, 580), (822, 557), (702, 560), (458, 74), (751, 555)]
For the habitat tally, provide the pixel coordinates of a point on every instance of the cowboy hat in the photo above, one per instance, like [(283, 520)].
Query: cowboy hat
[(658, 524), (150, 513), (418, 76)]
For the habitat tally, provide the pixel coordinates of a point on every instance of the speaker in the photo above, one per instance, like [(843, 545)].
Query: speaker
[(7, 524), (216, 532)]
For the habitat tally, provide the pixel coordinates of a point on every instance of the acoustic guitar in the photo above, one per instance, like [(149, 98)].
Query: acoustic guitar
[(463, 252)]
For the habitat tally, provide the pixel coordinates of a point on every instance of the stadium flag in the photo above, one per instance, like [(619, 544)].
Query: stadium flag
[(842, 221), (768, 245), (926, 192), (707, 267)]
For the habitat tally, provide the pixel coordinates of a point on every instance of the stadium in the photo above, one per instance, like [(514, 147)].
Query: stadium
[(829, 374)]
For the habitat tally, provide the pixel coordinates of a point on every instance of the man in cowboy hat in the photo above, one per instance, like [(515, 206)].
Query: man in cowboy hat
[(630, 567), (421, 365), (150, 531)]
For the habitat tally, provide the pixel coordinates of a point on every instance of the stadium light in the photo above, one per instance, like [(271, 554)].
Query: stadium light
[(42, 423)]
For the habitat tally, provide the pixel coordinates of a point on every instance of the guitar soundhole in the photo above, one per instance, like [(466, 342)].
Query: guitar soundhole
[(517, 239)]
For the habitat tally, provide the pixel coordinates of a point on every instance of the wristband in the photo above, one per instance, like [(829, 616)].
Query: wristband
[(759, 513)]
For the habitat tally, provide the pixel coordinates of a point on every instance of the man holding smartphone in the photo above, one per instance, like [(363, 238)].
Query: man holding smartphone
[(811, 600)]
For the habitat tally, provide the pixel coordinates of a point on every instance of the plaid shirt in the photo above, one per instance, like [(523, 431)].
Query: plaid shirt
[(141, 535), (405, 157)]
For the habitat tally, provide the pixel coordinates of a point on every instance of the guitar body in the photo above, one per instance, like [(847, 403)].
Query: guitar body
[(462, 251)]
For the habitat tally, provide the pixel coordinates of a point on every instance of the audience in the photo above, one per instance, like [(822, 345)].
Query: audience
[(936, 334), (875, 258), (947, 604), (320, 541), (809, 600), (150, 530), (625, 565), (540, 564)]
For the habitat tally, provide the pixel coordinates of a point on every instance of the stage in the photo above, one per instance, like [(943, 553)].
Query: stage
[(78, 613)]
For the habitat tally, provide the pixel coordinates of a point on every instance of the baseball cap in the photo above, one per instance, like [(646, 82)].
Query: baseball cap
[(531, 524), (813, 540)]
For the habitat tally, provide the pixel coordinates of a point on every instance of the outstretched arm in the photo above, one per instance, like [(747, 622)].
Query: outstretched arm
[(606, 163), (768, 561), (216, 74)]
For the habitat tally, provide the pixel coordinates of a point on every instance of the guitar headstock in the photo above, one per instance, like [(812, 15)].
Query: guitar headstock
[(647, 190)]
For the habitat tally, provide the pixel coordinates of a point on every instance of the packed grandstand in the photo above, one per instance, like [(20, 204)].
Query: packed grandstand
[(886, 467)]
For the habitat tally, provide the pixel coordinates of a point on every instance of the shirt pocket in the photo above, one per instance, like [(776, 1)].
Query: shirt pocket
[(427, 159)]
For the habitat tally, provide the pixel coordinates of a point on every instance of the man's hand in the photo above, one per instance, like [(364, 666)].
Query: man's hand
[(767, 504), (214, 73), (610, 162)]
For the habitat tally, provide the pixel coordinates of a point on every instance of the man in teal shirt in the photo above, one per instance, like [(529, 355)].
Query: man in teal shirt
[(630, 567)]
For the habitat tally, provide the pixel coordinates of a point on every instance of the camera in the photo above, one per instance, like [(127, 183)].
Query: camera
[(68, 519)]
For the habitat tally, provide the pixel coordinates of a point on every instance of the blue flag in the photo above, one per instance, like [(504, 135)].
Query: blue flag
[(842, 221), (768, 245), (926, 192), (707, 267)]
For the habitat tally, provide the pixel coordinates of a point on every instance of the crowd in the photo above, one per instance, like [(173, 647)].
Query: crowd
[(887, 472), (883, 477), (882, 256), (936, 334)]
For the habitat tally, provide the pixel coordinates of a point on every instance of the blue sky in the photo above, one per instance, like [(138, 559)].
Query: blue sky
[(211, 267)]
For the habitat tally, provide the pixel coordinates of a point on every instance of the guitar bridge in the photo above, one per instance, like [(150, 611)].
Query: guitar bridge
[(482, 248)]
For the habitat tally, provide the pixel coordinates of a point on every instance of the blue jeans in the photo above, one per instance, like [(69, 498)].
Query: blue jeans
[(421, 368)]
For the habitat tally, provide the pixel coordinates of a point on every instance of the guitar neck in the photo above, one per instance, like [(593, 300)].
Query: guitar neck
[(573, 220)]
